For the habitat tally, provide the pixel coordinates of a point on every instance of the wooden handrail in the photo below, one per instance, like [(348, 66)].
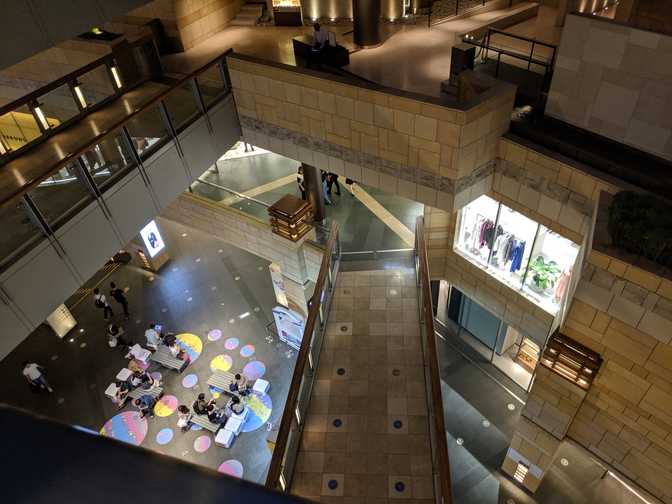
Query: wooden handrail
[(275, 468), (440, 442)]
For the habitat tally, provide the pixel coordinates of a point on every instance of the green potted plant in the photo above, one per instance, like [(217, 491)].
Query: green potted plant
[(544, 274)]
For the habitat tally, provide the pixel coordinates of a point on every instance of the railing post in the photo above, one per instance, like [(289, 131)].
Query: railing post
[(529, 62)]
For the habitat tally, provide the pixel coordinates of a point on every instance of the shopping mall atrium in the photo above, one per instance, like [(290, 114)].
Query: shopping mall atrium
[(350, 252)]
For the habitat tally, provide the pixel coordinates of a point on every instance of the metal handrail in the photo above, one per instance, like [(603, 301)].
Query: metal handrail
[(439, 444), (276, 466), (235, 193)]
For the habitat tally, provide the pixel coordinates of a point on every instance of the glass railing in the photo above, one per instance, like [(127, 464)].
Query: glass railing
[(437, 428), (295, 413), (75, 183)]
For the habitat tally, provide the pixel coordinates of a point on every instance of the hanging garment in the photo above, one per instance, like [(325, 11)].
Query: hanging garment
[(475, 234), (506, 253), (487, 231), (561, 286), (517, 253)]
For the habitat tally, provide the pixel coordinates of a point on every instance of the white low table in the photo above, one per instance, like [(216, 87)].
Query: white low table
[(234, 425), (224, 438), (261, 386), (111, 391), (140, 353), (243, 415), (124, 374)]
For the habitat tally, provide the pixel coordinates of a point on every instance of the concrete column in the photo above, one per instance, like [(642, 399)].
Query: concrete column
[(313, 180), (366, 22)]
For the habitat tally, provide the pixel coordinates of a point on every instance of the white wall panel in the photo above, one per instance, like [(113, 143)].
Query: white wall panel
[(167, 176), (39, 282), (198, 147), (89, 240), (131, 205), (225, 123), (12, 330)]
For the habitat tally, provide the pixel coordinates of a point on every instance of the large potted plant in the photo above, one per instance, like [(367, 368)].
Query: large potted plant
[(543, 274)]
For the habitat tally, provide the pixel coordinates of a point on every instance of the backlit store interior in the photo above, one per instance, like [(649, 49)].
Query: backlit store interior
[(526, 256)]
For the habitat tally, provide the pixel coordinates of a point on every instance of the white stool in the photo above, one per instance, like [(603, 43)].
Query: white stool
[(124, 374), (111, 391), (224, 438), (234, 425), (261, 386), (242, 416)]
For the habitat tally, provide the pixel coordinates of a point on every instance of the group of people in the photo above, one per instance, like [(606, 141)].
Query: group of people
[(100, 301), (155, 338), (329, 182), (214, 413), (140, 378)]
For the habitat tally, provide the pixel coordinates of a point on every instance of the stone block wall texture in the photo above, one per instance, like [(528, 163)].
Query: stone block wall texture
[(418, 150), (192, 21), (299, 262), (615, 81), (625, 314), (534, 447)]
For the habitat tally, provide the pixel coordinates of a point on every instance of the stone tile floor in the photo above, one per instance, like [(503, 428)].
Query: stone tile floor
[(366, 435)]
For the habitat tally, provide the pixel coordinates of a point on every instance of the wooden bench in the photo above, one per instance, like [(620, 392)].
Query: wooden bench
[(203, 421), (222, 380), (138, 392), (163, 357)]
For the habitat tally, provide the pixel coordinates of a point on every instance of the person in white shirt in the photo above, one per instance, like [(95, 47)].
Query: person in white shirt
[(320, 38), (100, 302), (153, 337), (35, 376)]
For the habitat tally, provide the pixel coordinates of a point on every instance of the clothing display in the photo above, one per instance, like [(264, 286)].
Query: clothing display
[(561, 285), (516, 255)]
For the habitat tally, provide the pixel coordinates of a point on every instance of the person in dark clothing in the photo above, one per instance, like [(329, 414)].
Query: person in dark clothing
[(334, 182), (301, 182), (216, 415), (118, 295), (146, 405), (115, 336), (200, 406)]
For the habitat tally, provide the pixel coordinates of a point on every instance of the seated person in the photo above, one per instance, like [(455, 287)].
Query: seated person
[(144, 379), (115, 336), (153, 337), (183, 417), (200, 405), (136, 366), (177, 352), (169, 340), (234, 406), (146, 405), (123, 388), (320, 38), (240, 385), (216, 415)]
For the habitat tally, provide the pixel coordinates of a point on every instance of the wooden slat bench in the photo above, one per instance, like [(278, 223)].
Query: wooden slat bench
[(202, 421), (222, 380), (138, 392), (163, 357)]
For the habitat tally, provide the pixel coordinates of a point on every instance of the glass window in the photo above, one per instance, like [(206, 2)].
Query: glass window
[(212, 85), (181, 105), (512, 245), (61, 195), (19, 127), (550, 268), (148, 131), (19, 230), (109, 160), (476, 228), (58, 105), (96, 85)]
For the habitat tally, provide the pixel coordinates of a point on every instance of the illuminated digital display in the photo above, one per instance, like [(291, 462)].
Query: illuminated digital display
[(152, 238)]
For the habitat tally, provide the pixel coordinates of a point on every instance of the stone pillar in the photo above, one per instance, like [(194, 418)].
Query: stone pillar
[(313, 180), (551, 406), (563, 5), (366, 22)]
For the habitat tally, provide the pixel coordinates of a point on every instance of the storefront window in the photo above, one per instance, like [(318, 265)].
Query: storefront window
[(550, 268), (477, 228), (517, 251)]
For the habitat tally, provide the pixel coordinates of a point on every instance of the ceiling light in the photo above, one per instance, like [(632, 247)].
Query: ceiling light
[(114, 70)]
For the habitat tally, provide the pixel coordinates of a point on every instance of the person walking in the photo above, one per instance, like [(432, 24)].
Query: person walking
[(118, 295), (100, 301), (301, 182), (334, 182), (34, 373)]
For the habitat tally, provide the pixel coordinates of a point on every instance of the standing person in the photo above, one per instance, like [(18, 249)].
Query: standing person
[(153, 337), (334, 181), (100, 301), (301, 182), (118, 295), (34, 373), (183, 417), (325, 189)]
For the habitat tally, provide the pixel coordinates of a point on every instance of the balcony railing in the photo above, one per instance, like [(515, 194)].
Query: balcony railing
[(437, 428), (293, 420), (42, 187)]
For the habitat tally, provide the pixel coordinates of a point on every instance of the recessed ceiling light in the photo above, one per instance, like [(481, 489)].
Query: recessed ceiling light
[(511, 406), (564, 462), (459, 441)]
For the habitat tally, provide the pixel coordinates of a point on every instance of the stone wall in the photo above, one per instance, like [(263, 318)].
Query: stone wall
[(614, 80), (625, 314), (299, 262), (416, 149)]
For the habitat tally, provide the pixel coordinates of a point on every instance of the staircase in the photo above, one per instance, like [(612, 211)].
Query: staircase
[(248, 15)]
